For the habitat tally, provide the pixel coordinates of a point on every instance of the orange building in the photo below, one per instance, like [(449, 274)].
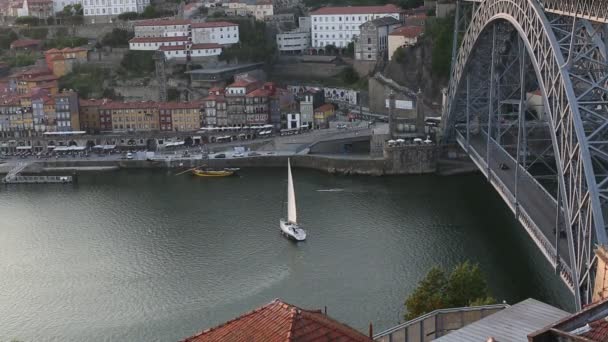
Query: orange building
[(25, 81), (131, 116), (62, 61), (89, 114)]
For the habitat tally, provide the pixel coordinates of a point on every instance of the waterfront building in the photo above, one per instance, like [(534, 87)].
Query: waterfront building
[(309, 100), (105, 11), (372, 43), (214, 106), (338, 26), (182, 116), (323, 114), (280, 319), (131, 116), (24, 81), (90, 120), (256, 105), (404, 36), (235, 100), (282, 101), (43, 107), (293, 121), (67, 111)]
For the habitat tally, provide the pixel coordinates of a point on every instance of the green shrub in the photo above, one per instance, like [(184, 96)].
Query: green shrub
[(30, 21), (35, 32), (117, 38), (138, 62)]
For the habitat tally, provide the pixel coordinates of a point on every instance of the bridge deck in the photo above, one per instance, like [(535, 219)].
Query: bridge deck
[(594, 10), (532, 202)]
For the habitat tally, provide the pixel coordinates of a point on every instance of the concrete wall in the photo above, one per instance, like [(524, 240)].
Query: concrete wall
[(415, 161), (379, 92)]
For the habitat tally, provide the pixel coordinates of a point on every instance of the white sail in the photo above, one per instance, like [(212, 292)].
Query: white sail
[(291, 197)]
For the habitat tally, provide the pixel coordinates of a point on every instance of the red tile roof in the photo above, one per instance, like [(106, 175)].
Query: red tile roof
[(280, 322), (408, 31), (390, 8), (180, 105), (598, 332), (172, 47), (77, 49), (20, 43), (205, 46), (162, 22), (213, 24), (260, 92), (324, 107), (130, 105), (43, 78), (158, 39), (93, 102), (213, 97), (243, 82)]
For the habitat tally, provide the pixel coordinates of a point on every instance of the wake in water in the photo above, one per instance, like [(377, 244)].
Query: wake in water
[(330, 190)]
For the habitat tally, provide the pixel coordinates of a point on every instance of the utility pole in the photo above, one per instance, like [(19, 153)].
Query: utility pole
[(391, 114)]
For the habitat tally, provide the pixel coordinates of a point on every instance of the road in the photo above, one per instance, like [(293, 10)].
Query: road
[(539, 205)]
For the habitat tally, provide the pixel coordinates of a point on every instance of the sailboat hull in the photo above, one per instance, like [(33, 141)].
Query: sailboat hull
[(292, 231)]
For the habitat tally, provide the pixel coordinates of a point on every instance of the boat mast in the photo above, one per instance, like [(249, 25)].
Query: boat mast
[(291, 196)]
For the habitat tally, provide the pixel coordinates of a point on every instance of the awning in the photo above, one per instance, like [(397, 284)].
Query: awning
[(69, 148), (174, 143)]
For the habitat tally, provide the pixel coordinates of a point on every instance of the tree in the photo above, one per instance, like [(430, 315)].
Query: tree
[(117, 38), (128, 16), (349, 75), (138, 62), (407, 4), (7, 36), (330, 49), (78, 9), (350, 49), (28, 20), (149, 12), (465, 286), (399, 55)]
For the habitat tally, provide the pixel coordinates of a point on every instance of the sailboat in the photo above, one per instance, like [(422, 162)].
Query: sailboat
[(290, 226)]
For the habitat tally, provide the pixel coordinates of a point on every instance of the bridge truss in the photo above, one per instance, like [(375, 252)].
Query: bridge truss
[(510, 52)]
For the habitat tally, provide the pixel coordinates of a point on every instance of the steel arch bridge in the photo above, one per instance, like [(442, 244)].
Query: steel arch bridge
[(528, 101)]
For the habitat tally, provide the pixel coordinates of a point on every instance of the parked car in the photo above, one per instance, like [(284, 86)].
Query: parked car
[(238, 155), (253, 154), (341, 126), (129, 155), (220, 156)]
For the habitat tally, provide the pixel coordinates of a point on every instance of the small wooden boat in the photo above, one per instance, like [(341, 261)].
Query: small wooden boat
[(213, 173)]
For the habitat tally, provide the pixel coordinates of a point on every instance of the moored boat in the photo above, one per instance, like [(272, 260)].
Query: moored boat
[(214, 173)]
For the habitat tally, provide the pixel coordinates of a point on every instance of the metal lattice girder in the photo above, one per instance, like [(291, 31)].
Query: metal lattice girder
[(595, 10), (571, 75)]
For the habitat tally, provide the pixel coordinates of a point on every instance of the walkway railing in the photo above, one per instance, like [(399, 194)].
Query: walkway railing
[(437, 323), (15, 171)]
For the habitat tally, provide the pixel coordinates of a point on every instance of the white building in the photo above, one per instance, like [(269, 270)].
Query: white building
[(339, 25), (101, 11), (296, 41), (154, 43), (403, 37), (218, 32), (162, 28), (191, 51), (260, 9), (293, 120)]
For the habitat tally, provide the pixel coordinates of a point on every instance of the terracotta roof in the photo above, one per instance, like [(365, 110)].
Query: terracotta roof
[(325, 107), (216, 89), (162, 22), (212, 97), (76, 49), (260, 92), (43, 78), (57, 57), (93, 102), (280, 322), (408, 31), (598, 331), (53, 50), (19, 43), (390, 8), (243, 82), (130, 105), (158, 39), (205, 46), (213, 24), (192, 47), (180, 105)]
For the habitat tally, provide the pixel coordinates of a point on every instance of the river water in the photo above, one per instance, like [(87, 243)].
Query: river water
[(149, 256)]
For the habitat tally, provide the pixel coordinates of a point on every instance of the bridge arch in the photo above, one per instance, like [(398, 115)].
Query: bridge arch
[(578, 183)]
